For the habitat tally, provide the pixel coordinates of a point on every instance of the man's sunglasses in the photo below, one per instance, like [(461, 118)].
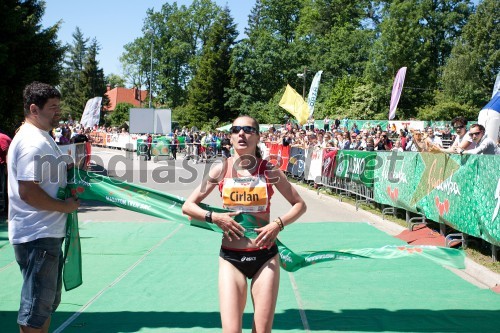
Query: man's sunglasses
[(458, 127), (474, 133), (246, 129)]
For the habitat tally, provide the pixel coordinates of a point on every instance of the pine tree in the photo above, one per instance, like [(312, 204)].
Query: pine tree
[(83, 79), (93, 77), (207, 89), (72, 83)]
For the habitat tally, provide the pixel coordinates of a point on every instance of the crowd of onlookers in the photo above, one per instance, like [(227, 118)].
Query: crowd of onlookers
[(69, 133), (458, 137), (455, 137)]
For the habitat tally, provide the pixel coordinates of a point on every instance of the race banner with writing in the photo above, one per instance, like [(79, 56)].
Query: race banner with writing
[(396, 178), (313, 92), (356, 165)]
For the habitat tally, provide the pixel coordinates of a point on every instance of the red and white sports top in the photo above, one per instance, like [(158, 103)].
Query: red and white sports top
[(248, 194)]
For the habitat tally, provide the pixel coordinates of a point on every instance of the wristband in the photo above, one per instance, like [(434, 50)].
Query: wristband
[(280, 224), (208, 217)]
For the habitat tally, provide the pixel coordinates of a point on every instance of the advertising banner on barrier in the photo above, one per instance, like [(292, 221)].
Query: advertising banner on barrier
[(408, 124), (328, 166), (264, 149), (274, 157), (279, 155), (296, 164), (356, 165), (446, 191), (462, 192), (98, 138), (368, 124), (307, 161), (315, 164), (486, 191), (396, 179), (284, 153)]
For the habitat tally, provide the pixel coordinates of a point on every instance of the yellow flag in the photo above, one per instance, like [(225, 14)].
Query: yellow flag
[(295, 104)]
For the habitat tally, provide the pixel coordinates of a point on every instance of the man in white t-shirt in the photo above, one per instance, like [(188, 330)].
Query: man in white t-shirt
[(37, 219)]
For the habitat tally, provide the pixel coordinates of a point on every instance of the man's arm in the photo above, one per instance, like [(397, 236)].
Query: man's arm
[(31, 193), (478, 150)]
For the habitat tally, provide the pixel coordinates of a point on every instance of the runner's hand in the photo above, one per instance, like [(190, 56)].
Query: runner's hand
[(228, 225), (267, 235)]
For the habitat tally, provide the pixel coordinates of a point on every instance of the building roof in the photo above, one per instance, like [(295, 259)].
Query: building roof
[(133, 96)]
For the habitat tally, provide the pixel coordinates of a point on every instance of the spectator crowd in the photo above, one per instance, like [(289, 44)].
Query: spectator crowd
[(455, 137)]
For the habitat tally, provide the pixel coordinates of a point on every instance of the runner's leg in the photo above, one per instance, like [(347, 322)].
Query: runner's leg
[(232, 296), (265, 285)]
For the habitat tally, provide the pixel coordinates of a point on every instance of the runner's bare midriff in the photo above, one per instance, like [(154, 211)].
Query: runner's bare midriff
[(244, 242)]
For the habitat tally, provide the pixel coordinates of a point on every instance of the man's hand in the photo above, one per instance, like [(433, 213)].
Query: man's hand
[(71, 204)]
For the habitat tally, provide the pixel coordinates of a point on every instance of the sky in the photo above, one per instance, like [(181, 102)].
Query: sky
[(115, 23)]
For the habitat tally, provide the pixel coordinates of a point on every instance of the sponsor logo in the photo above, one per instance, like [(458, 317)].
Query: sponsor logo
[(449, 187), (248, 258), (321, 257), (285, 257)]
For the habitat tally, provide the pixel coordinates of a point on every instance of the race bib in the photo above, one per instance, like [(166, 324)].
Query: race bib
[(245, 194)]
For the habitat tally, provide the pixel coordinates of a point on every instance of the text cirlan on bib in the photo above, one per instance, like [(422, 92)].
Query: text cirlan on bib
[(245, 194)]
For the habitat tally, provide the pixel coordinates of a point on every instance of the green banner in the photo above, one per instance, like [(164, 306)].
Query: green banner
[(486, 190), (444, 192), (91, 186), (72, 270), (460, 191), (396, 179), (356, 165)]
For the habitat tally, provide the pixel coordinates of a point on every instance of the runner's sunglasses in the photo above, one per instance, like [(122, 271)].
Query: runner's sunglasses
[(246, 129)]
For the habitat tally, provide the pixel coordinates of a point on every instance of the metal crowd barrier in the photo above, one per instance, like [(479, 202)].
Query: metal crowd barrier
[(346, 188)]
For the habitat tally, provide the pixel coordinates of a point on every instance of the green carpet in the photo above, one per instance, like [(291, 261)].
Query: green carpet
[(162, 277)]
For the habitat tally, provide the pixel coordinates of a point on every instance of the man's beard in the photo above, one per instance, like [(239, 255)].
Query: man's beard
[(55, 121)]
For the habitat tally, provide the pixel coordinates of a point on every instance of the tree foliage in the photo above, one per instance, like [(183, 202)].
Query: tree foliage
[(115, 80), (120, 114), (190, 60), (470, 71), (82, 78), (27, 53), (207, 89)]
